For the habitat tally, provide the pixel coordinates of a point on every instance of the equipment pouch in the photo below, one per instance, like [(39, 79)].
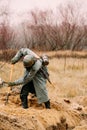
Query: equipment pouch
[(45, 60)]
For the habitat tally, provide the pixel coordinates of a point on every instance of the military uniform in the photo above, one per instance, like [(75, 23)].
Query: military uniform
[(32, 77)]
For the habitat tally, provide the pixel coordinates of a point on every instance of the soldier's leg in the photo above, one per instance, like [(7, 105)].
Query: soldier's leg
[(23, 96), (47, 104), (29, 87)]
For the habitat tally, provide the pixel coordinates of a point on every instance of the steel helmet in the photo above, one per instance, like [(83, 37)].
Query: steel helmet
[(29, 60)]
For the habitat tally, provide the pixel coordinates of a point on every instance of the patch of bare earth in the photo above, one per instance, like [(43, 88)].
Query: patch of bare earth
[(63, 115)]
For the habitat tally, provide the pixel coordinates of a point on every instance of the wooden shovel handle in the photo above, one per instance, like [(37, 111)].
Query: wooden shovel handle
[(7, 96)]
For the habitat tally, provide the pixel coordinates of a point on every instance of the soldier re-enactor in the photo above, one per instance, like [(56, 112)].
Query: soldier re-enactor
[(33, 80)]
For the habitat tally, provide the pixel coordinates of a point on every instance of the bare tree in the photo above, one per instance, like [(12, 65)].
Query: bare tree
[(71, 27), (6, 32), (65, 31)]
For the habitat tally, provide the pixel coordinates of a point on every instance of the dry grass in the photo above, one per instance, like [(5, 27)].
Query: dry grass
[(69, 76), (67, 53), (6, 70), (8, 54)]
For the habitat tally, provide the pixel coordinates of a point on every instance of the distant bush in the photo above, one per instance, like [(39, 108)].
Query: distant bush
[(6, 55)]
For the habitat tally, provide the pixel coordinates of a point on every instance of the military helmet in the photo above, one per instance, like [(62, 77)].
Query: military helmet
[(29, 60)]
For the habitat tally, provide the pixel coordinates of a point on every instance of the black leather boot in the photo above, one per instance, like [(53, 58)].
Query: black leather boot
[(24, 101), (47, 104), (25, 104)]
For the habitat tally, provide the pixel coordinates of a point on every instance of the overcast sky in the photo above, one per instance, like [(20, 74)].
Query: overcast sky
[(23, 5), (20, 6)]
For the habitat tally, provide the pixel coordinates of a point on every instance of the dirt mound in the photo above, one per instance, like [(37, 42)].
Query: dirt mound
[(36, 117)]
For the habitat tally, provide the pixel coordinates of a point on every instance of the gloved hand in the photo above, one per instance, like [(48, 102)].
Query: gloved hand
[(1, 82), (11, 84), (12, 62)]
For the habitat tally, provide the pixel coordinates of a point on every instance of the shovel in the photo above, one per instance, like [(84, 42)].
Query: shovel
[(8, 93)]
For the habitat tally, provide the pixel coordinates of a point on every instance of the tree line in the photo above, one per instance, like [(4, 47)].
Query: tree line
[(66, 30)]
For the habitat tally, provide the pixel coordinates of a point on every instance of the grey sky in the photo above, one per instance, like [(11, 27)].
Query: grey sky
[(20, 6), (23, 5)]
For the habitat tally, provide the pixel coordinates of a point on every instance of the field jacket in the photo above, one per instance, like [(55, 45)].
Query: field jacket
[(23, 52), (36, 76)]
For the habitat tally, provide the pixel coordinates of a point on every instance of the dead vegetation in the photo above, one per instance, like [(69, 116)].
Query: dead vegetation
[(7, 54), (68, 98)]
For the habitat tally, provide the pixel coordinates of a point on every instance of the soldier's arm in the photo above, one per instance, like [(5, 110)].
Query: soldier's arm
[(23, 52), (17, 57), (28, 77), (33, 71)]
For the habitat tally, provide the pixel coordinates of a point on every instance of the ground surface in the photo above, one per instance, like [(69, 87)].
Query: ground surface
[(64, 114), (68, 99)]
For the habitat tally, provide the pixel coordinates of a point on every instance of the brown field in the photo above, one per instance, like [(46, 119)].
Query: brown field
[(68, 97)]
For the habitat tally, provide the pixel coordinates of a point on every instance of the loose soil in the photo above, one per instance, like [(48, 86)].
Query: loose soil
[(65, 114)]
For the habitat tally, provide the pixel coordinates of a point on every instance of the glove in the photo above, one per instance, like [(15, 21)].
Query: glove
[(1, 82), (13, 61), (11, 84)]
